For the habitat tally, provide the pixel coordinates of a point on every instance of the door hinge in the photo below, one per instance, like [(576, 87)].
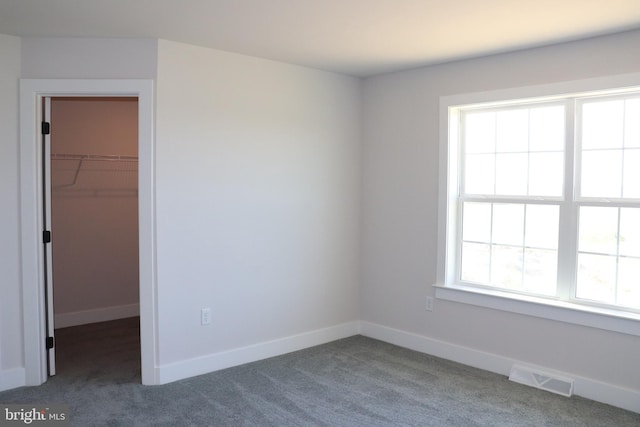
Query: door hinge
[(49, 343), (46, 128), (46, 236)]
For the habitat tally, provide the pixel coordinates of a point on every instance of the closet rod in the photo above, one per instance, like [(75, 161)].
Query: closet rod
[(97, 157)]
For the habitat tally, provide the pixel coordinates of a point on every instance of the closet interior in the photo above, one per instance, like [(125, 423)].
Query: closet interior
[(94, 209)]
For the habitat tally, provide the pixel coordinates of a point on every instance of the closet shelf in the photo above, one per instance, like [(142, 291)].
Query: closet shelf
[(126, 168), (97, 157)]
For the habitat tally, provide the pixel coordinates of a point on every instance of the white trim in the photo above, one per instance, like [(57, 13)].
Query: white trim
[(591, 389), (226, 359), (12, 378), (595, 317), (104, 314), (31, 92), (457, 353), (544, 92)]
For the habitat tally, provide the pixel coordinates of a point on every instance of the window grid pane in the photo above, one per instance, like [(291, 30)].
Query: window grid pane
[(609, 255), (608, 237), (514, 152), (601, 174), (628, 291), (510, 246), (512, 172), (610, 148)]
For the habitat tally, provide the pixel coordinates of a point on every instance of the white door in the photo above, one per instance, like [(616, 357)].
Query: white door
[(47, 235)]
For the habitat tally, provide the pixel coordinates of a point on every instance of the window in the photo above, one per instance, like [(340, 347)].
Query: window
[(541, 197), (510, 195)]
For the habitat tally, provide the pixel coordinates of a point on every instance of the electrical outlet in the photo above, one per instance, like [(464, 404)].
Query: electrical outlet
[(429, 305), (205, 316)]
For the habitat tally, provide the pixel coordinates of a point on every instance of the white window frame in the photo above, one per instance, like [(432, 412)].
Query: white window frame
[(447, 287)]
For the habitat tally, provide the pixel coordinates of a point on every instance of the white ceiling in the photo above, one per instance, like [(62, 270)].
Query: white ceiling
[(357, 37)]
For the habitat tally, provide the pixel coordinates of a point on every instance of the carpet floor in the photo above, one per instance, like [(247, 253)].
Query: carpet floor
[(355, 381)]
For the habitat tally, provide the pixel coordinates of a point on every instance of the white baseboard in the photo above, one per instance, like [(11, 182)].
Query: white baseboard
[(12, 378), (214, 362), (64, 320), (591, 389)]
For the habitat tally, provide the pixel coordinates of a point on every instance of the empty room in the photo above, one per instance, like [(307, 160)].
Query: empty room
[(322, 212)]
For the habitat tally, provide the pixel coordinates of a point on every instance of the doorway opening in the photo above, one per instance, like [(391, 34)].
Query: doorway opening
[(33, 215), (93, 191)]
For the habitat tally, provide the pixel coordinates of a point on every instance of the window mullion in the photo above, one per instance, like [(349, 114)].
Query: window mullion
[(568, 227), (618, 257), (457, 179)]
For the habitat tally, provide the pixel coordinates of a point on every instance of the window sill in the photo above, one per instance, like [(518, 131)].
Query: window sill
[(595, 317)]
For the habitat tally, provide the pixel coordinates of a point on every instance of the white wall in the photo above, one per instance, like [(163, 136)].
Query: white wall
[(95, 219), (66, 58), (257, 184), (10, 300), (400, 208), (257, 167)]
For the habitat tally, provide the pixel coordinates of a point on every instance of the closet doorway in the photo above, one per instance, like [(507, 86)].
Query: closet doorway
[(93, 194)]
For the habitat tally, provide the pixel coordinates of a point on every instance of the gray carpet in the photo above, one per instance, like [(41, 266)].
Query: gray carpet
[(356, 381)]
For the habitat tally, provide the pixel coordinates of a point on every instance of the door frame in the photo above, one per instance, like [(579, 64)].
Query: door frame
[(33, 302)]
